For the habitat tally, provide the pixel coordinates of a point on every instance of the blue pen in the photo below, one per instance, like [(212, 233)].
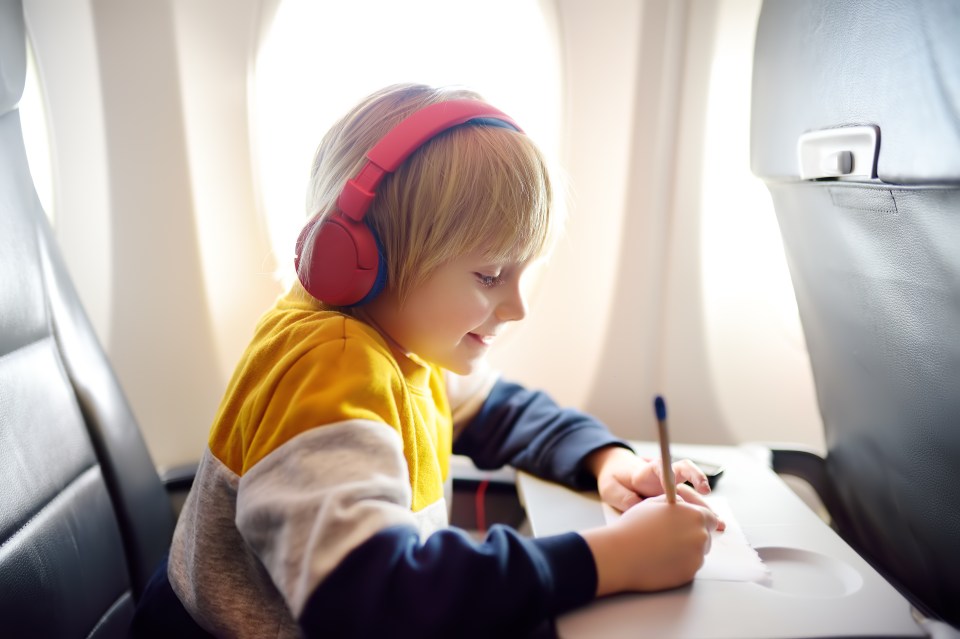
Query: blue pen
[(669, 482)]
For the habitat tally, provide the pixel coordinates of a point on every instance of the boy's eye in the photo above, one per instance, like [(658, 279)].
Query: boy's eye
[(488, 281)]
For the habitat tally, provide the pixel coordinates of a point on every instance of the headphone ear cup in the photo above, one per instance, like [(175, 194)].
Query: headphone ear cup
[(346, 265)]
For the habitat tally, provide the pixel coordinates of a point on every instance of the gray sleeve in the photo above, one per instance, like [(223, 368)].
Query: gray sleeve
[(307, 504)]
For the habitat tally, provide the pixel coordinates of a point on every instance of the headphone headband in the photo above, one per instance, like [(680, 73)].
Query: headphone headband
[(347, 266), (405, 138)]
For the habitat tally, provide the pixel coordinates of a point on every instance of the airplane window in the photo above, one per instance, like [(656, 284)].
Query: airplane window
[(33, 121), (319, 58), (755, 337)]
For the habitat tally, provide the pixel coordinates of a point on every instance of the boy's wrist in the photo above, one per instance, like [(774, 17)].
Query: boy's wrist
[(595, 461), (605, 548)]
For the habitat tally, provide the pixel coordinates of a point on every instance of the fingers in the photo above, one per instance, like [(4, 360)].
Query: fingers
[(644, 478), (686, 470), (684, 510), (621, 497), (688, 495), (691, 496), (711, 522), (649, 480), (653, 546)]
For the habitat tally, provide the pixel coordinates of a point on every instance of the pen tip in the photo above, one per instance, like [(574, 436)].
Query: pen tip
[(660, 408)]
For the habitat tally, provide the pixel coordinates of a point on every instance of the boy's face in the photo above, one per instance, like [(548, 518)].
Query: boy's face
[(453, 317)]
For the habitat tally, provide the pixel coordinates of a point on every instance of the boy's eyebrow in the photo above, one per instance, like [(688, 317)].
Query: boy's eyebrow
[(506, 263), (505, 268)]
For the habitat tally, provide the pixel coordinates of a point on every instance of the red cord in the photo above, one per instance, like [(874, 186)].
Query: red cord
[(479, 505)]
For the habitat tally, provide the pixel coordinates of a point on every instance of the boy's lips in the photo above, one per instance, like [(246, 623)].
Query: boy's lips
[(486, 340)]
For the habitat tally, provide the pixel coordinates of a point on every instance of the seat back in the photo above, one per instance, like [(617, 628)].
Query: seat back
[(84, 517), (856, 132)]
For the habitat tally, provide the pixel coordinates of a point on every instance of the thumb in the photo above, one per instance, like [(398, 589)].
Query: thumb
[(620, 496)]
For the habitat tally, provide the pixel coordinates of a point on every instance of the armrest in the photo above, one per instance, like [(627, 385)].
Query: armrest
[(811, 468), (177, 481), (179, 478), (802, 463)]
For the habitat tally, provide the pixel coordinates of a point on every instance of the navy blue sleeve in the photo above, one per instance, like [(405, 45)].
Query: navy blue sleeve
[(527, 430), (393, 585)]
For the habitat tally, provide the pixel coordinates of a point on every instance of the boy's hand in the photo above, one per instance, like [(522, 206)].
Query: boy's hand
[(655, 545), (624, 479)]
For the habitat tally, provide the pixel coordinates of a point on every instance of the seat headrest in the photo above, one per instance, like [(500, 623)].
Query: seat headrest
[(822, 64), (13, 54)]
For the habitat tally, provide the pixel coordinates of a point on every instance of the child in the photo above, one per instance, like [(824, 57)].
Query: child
[(319, 507)]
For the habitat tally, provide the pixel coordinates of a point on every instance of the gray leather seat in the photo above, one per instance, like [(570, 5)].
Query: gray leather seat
[(868, 203), (84, 518)]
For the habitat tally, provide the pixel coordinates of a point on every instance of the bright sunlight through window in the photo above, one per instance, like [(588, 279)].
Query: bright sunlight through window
[(320, 58), (33, 121), (754, 333)]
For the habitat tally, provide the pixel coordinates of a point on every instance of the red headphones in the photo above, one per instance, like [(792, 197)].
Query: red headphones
[(347, 267)]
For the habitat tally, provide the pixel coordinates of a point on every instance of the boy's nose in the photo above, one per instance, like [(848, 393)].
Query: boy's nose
[(512, 307)]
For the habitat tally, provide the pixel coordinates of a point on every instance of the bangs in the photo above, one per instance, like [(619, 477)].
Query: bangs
[(512, 224)]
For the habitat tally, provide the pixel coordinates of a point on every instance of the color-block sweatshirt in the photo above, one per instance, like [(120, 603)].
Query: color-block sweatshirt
[(319, 510)]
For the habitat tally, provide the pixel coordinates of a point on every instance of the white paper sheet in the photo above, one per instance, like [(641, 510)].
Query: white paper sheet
[(731, 558)]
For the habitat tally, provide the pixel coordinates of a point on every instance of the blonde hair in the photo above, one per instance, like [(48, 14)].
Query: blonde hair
[(471, 188)]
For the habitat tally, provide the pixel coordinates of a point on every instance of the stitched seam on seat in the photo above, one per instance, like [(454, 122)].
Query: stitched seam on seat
[(27, 346), (124, 597), (22, 351), (60, 496)]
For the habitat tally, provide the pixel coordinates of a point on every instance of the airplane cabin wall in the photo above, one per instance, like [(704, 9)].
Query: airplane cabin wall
[(157, 210), (129, 184)]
